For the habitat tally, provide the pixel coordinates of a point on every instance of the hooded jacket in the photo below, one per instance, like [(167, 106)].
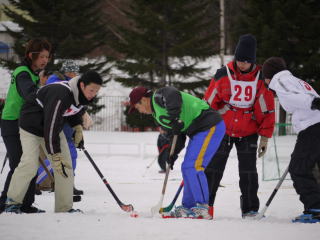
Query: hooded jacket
[(242, 121), (46, 111), (296, 96)]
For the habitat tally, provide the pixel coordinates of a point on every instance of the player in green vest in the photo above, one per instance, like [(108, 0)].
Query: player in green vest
[(24, 81), (184, 115)]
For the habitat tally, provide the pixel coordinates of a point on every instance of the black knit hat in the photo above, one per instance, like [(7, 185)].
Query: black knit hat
[(272, 66), (246, 49)]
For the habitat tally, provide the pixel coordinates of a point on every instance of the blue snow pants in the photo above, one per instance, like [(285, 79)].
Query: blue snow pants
[(200, 150)]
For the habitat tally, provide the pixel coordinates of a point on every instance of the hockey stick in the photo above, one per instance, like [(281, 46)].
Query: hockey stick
[(157, 207), (261, 214), (170, 206), (147, 167), (124, 207), (4, 162)]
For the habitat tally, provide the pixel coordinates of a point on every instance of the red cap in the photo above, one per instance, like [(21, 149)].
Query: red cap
[(135, 96)]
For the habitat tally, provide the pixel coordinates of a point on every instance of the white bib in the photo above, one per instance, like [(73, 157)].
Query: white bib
[(72, 110), (243, 93)]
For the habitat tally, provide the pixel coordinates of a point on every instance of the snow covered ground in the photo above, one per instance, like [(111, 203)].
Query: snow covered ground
[(123, 158)]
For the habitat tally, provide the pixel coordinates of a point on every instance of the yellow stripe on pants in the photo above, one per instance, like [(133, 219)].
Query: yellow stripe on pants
[(198, 163)]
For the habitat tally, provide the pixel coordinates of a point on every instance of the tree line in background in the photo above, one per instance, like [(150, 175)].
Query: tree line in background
[(160, 42)]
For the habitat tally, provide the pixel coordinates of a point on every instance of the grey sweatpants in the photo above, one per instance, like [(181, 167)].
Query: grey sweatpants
[(29, 165)]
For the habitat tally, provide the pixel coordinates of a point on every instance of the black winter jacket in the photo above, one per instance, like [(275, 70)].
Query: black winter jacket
[(45, 112)]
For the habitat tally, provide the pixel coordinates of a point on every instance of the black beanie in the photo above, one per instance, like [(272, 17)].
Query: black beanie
[(272, 66), (246, 49)]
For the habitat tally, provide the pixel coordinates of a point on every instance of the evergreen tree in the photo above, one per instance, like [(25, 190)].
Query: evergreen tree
[(73, 27), (289, 29), (164, 43)]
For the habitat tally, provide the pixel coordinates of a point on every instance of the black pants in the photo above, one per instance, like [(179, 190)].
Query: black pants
[(246, 152), (14, 150), (305, 155)]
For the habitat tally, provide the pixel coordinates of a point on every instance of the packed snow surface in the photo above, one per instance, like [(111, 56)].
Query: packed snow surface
[(123, 159)]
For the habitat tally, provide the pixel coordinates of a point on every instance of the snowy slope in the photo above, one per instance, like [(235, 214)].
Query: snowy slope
[(122, 158)]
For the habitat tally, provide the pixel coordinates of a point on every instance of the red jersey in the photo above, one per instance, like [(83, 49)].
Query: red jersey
[(246, 105)]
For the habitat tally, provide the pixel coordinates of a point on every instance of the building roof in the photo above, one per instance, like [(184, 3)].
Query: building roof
[(11, 25)]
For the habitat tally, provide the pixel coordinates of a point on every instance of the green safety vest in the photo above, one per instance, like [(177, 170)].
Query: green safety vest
[(190, 110), (14, 101)]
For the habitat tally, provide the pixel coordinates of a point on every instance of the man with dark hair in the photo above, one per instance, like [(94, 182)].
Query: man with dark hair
[(68, 70), (25, 81), (41, 122), (302, 101), (184, 115), (237, 91)]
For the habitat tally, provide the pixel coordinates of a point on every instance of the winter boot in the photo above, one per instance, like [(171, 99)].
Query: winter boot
[(201, 211), (31, 209), (76, 198), (311, 216), (249, 215), (77, 192), (179, 212), (72, 210), (12, 206)]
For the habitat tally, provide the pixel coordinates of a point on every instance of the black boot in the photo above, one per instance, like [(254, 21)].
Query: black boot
[(31, 209), (76, 198), (77, 192)]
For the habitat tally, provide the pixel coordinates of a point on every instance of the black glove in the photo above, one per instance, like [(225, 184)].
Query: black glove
[(177, 125), (171, 160), (315, 105), (81, 145)]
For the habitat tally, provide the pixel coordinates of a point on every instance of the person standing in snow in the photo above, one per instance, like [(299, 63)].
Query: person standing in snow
[(68, 70), (25, 81), (238, 92), (185, 115), (41, 122), (299, 99)]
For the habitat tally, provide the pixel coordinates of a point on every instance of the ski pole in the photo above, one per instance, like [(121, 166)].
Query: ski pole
[(170, 206), (157, 207), (261, 214), (4, 162), (124, 207)]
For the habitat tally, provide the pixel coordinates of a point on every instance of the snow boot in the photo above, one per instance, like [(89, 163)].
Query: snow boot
[(179, 212), (31, 209), (77, 192), (311, 216), (201, 211), (12, 206), (72, 210), (76, 198), (249, 215)]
